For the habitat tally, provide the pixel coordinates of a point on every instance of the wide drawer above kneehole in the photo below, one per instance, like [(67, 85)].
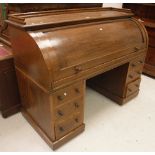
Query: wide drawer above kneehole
[(78, 53), (68, 93)]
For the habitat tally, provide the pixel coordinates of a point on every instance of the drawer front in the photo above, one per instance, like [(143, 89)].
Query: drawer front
[(81, 53), (81, 68), (65, 110), (135, 69), (68, 93), (139, 62), (64, 127), (133, 87), (134, 74)]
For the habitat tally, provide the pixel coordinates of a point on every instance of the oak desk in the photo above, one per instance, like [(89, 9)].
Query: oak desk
[(57, 51)]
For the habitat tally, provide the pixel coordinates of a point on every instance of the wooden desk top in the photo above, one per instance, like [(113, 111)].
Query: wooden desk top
[(66, 17)]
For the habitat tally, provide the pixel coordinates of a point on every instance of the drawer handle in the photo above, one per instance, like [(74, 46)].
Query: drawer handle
[(133, 65), (61, 128), (77, 69), (130, 76), (141, 61), (76, 120), (76, 105), (77, 90), (136, 49), (138, 72), (61, 97), (129, 90), (60, 113), (137, 85)]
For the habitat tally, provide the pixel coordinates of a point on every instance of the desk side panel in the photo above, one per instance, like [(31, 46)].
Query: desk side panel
[(28, 57)]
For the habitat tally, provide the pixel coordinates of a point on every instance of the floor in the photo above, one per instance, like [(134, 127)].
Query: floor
[(109, 127)]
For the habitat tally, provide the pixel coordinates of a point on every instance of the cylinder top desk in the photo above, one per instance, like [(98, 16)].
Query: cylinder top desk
[(57, 52)]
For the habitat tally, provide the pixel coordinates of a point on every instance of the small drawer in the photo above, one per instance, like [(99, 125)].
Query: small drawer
[(137, 63), (68, 93), (133, 87), (135, 69), (65, 110), (134, 74), (64, 127)]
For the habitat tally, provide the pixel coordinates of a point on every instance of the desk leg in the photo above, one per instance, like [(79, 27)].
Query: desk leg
[(57, 115)]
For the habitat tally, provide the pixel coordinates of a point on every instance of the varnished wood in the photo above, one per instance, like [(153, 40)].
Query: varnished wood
[(32, 7), (56, 57), (11, 8), (56, 144)]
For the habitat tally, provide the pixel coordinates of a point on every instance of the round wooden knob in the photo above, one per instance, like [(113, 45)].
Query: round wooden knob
[(61, 128), (136, 85), (77, 90), (141, 61), (60, 97), (130, 76), (77, 69), (133, 65), (136, 49), (76, 120), (76, 105), (60, 113)]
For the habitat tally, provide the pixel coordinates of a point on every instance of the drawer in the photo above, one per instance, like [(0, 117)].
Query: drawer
[(68, 93), (65, 110), (133, 76), (135, 73), (64, 127), (137, 63), (80, 68), (135, 69), (133, 87)]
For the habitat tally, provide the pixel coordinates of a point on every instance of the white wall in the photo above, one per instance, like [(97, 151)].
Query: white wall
[(115, 5)]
